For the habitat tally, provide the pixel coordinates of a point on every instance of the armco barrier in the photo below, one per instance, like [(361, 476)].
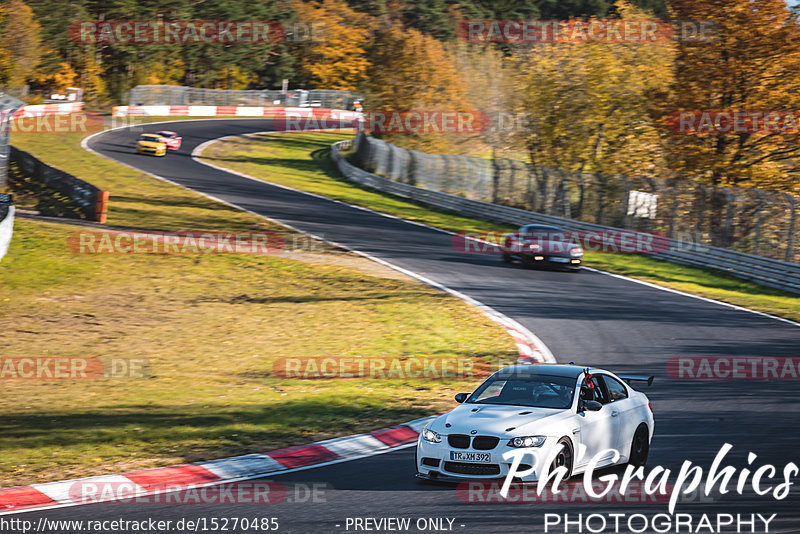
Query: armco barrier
[(6, 223), (771, 273), (92, 201)]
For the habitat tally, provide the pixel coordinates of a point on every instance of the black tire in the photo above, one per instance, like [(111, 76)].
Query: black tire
[(507, 258), (640, 447), (564, 457), (526, 260)]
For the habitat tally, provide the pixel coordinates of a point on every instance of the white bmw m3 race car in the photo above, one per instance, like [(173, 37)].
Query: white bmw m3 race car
[(564, 415)]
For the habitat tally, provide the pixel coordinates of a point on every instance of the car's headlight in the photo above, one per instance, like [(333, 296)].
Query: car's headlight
[(527, 441), (576, 251), (431, 436)]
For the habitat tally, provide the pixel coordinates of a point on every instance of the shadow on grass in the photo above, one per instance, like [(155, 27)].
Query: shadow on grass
[(296, 299), (201, 432), (31, 194)]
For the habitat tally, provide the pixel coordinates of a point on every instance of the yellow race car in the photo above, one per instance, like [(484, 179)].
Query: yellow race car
[(151, 144)]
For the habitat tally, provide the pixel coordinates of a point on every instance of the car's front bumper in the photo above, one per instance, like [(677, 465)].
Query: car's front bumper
[(434, 461), (151, 150), (551, 260)]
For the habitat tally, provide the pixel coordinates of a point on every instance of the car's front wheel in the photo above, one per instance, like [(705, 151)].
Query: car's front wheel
[(640, 447), (563, 457)]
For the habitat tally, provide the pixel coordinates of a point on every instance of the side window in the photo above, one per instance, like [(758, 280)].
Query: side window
[(591, 390), (616, 389)]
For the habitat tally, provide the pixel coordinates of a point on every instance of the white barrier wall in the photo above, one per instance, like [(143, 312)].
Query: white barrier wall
[(232, 111), (6, 230), (48, 109)]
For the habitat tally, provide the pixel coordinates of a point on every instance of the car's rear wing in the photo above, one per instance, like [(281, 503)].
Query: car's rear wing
[(637, 378)]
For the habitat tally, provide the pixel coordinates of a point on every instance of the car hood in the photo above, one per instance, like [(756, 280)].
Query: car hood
[(150, 144), (496, 420)]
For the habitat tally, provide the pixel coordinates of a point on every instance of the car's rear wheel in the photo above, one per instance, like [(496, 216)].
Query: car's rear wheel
[(563, 457), (640, 447)]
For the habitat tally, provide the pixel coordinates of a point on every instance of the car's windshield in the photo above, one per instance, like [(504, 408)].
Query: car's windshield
[(153, 138), (543, 234), (538, 391)]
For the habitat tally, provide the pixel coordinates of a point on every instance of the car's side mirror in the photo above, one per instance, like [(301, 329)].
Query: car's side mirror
[(592, 406), (461, 397)]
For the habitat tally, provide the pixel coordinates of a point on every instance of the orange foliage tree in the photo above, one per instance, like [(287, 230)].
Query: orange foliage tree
[(335, 57), (751, 63)]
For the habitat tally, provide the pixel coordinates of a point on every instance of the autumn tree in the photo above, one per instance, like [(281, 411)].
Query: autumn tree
[(335, 57), (588, 102), (751, 63), (490, 78), (21, 40), (5, 55), (412, 71)]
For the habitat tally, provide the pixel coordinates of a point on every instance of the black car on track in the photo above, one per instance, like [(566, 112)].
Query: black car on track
[(542, 245)]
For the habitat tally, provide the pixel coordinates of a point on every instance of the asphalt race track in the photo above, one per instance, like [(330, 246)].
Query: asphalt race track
[(586, 317)]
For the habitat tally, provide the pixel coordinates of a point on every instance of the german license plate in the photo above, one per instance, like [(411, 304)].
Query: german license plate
[(477, 457)]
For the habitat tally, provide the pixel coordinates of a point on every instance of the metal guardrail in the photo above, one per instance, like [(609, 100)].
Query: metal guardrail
[(771, 273), (749, 220), (91, 200)]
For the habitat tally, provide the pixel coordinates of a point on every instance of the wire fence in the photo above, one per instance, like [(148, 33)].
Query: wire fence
[(747, 220), (8, 105), (174, 95)]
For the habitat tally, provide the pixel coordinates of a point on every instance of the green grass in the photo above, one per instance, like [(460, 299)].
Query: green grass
[(302, 161), (211, 328)]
